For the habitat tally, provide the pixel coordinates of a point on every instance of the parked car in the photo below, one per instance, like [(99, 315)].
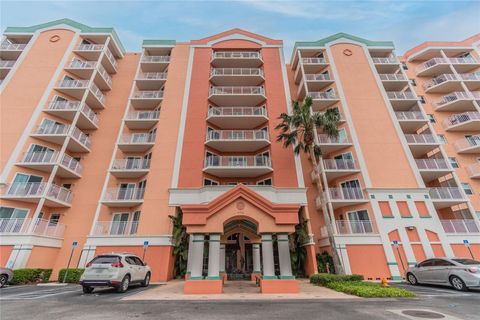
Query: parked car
[(460, 273), (117, 270), (6, 275)]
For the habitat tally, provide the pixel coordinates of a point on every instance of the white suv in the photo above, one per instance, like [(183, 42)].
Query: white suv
[(117, 270)]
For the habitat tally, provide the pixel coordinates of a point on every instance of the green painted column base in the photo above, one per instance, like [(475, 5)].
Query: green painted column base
[(195, 278), (397, 278), (213, 278), (286, 277), (269, 277)]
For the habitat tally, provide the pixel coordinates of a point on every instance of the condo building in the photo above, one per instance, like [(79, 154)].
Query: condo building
[(100, 148)]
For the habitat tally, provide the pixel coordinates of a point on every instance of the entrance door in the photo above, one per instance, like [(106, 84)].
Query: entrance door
[(119, 223), (126, 191)]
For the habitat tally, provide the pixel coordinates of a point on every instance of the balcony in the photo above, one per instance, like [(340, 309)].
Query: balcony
[(89, 51), (465, 64), (460, 226), (102, 78), (76, 89), (109, 61), (411, 121), (237, 140), (433, 66), (471, 80), (468, 145), (432, 169), (130, 168), (314, 65), (331, 144), (69, 168), (146, 99), (41, 227), (386, 64), (154, 63), (317, 82), (474, 170), (237, 117), (443, 197), (151, 81), (67, 110), (337, 168), (322, 99), (115, 228), (455, 101), (237, 166), (420, 144), (123, 197), (443, 83), (402, 100), (57, 134), (236, 76), (142, 119), (343, 197), (243, 59), (136, 142), (234, 96), (468, 121), (393, 81), (81, 69), (5, 66), (355, 227), (11, 51), (32, 192)]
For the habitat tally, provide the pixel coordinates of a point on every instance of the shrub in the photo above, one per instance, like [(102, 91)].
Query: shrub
[(323, 279), (325, 263), (26, 276), (368, 289), (73, 275)]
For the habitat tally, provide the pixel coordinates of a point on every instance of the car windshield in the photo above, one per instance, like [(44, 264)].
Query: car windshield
[(467, 261), (105, 260)]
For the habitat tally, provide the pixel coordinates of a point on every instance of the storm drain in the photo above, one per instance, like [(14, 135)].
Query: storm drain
[(423, 314)]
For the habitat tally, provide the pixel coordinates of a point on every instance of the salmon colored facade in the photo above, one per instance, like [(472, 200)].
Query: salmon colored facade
[(100, 147)]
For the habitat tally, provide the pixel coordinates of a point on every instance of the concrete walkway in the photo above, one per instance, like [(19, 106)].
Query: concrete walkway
[(237, 290)]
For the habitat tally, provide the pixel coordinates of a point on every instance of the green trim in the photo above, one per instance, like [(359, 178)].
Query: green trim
[(397, 278), (270, 277), (267, 240), (213, 240), (195, 278), (408, 217), (426, 196), (282, 240), (392, 264), (256, 271), (425, 217), (388, 217), (390, 196), (324, 41), (83, 28), (409, 196), (213, 278), (154, 42), (286, 277), (372, 196), (198, 240), (188, 272)]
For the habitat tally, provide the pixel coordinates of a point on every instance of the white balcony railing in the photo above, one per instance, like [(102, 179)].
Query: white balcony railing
[(236, 135), (124, 194), (421, 138), (474, 76), (131, 164), (73, 83), (152, 76), (324, 95), (42, 227), (432, 164), (44, 157), (355, 227), (105, 75), (156, 59), (446, 193), (236, 72), (238, 161), (410, 115), (399, 95), (38, 189), (339, 164), (392, 77), (7, 63), (460, 226), (137, 138), (236, 55), (440, 79), (314, 61), (346, 194), (457, 119), (44, 129), (74, 105), (115, 228), (97, 92), (474, 170), (257, 90), (143, 115), (144, 94), (386, 60), (81, 137), (317, 77), (465, 60), (12, 46), (90, 47), (60, 194), (476, 95), (79, 64), (71, 164), (326, 139), (111, 58), (430, 63), (237, 111), (465, 143), (454, 96)]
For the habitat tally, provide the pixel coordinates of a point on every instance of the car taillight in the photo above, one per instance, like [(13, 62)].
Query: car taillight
[(117, 265), (472, 270), (89, 264)]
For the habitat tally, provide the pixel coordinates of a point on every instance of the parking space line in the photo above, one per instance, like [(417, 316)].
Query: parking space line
[(36, 295)]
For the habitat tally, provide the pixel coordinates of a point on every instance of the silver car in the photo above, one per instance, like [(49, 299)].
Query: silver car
[(460, 273), (6, 275)]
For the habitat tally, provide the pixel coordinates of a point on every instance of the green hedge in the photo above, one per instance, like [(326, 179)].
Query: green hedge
[(369, 290), (323, 279), (73, 275), (26, 276)]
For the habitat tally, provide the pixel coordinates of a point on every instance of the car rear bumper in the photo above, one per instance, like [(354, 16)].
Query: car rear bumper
[(100, 283)]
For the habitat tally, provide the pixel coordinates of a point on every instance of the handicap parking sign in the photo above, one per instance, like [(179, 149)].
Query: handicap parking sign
[(466, 243), (395, 243)]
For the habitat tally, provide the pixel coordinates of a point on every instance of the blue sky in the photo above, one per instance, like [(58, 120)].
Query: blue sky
[(407, 23)]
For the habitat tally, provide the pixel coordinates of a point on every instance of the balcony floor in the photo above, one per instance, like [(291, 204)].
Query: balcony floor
[(240, 172), (322, 104), (82, 123), (335, 174), (237, 99), (445, 87), (470, 125), (237, 145), (459, 105), (236, 62), (430, 175), (140, 123), (145, 104), (346, 203), (441, 204), (238, 122), (124, 173), (234, 80), (122, 203), (135, 147)]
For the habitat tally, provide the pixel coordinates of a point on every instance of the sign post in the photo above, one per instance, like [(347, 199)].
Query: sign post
[(395, 244), (145, 246), (467, 244), (74, 245)]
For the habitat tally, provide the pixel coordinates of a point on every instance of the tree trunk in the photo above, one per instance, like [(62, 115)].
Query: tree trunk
[(328, 222)]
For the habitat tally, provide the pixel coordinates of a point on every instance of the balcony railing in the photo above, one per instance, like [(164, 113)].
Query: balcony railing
[(79, 64), (143, 115), (90, 47), (430, 63), (12, 46), (73, 83), (74, 105), (432, 164), (476, 95), (237, 111), (326, 139), (41, 228), (440, 79), (457, 119), (115, 228), (81, 137), (60, 193), (52, 129), (410, 115), (131, 164), (387, 60), (446, 193), (37, 189), (71, 164), (158, 59), (236, 55), (147, 94), (465, 143), (460, 226), (45, 157), (314, 61), (355, 227), (325, 95), (317, 77), (124, 194), (475, 76), (421, 138), (238, 161), (111, 58), (152, 76), (346, 194), (97, 92), (474, 170), (7, 63), (454, 96), (237, 135), (339, 164), (105, 75), (237, 91), (399, 95), (137, 138), (465, 60), (236, 72), (392, 77)]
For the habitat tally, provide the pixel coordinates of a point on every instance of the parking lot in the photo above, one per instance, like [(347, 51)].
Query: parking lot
[(69, 302)]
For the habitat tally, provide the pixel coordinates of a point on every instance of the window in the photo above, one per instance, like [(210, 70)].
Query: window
[(38, 153), (453, 162), (431, 118), (426, 263), (119, 223), (135, 219), (131, 260), (422, 99), (12, 213), (385, 208), (265, 182), (54, 218), (351, 190), (466, 187), (141, 189), (138, 261), (442, 138), (25, 184), (404, 66), (413, 82), (67, 186), (208, 182), (473, 140), (359, 222), (442, 263)]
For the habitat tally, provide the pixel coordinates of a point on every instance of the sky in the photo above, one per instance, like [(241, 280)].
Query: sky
[(406, 22)]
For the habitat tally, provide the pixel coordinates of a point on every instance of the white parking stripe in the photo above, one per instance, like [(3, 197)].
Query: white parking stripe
[(37, 294)]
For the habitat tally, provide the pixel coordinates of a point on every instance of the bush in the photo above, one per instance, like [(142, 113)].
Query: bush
[(73, 275), (323, 279), (325, 263), (26, 276), (368, 289)]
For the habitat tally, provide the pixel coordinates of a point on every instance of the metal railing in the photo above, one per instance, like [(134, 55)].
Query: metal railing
[(60, 193), (446, 193), (81, 137), (440, 79), (387, 60), (97, 92), (111, 58), (474, 76), (410, 115), (144, 94), (137, 138), (162, 59), (80, 64), (73, 83), (7, 63), (40, 157), (430, 63), (237, 111), (74, 105), (326, 139), (346, 194), (317, 77), (12, 46), (465, 60), (322, 95), (460, 118), (476, 95), (115, 228), (454, 96), (339, 164), (355, 227), (105, 75), (13, 225), (460, 226), (392, 77), (236, 55), (152, 76), (143, 115), (124, 194), (71, 163), (214, 135), (237, 90), (399, 95), (90, 47), (421, 138), (54, 129), (473, 170), (25, 189), (432, 164), (465, 143), (238, 161), (131, 164), (236, 72), (42, 227)]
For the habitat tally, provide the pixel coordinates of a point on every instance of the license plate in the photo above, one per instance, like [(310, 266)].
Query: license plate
[(99, 270)]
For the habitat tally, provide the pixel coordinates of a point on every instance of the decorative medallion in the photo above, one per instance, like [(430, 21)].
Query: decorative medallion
[(54, 38), (347, 52), (240, 205)]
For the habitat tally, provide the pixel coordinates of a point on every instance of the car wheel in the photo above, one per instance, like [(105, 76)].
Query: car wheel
[(3, 280), (146, 281), (412, 279), (458, 283), (87, 289), (123, 287)]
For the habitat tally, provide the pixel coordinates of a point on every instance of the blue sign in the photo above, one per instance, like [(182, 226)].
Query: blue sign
[(395, 243), (466, 243), (145, 244), (74, 244)]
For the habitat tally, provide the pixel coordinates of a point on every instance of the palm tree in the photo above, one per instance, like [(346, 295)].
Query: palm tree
[(298, 130)]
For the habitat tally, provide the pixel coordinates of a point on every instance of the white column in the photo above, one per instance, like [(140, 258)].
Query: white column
[(197, 256), (190, 250), (267, 255), (256, 258), (214, 257), (284, 256), (222, 257)]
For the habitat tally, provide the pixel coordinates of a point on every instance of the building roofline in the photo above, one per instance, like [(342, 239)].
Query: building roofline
[(158, 43), (340, 35)]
